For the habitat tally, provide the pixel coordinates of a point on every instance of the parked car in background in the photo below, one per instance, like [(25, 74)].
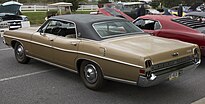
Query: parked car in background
[(184, 29), (129, 8), (152, 11), (174, 10), (114, 12), (104, 47), (200, 16), (10, 16)]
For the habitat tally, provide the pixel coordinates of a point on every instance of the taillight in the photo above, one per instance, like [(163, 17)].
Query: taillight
[(148, 64), (142, 71)]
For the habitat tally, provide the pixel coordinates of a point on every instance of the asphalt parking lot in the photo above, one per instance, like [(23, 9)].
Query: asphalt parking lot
[(40, 83)]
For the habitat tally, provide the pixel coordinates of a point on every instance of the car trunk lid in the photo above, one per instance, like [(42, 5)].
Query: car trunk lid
[(156, 48)]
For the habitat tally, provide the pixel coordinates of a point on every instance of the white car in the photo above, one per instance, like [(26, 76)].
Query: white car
[(10, 18)]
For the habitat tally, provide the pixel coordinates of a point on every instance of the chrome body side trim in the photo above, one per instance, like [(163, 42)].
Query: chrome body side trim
[(120, 80), (109, 59), (71, 70), (78, 52)]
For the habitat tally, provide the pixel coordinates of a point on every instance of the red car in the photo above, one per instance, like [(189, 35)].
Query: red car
[(181, 28), (114, 12)]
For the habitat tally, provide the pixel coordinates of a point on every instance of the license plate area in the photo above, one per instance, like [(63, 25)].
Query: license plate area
[(174, 75)]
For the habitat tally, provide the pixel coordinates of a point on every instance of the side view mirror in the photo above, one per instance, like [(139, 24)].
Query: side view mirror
[(41, 32)]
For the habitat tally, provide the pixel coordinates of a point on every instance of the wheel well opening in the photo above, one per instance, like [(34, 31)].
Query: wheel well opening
[(79, 62), (13, 43)]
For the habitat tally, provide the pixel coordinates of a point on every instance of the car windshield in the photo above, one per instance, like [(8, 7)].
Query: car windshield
[(116, 28), (14, 9), (112, 11)]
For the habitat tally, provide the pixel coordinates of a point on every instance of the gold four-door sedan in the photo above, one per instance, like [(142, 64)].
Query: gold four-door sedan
[(100, 47)]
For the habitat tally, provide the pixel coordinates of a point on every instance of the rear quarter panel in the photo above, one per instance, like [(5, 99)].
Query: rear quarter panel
[(108, 64)]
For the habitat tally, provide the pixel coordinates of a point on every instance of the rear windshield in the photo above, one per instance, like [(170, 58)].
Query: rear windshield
[(116, 28)]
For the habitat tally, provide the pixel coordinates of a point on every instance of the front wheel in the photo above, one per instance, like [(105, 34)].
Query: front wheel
[(91, 75), (20, 54)]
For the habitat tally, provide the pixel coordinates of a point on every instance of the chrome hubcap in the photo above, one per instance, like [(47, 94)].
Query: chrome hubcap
[(20, 52), (90, 73)]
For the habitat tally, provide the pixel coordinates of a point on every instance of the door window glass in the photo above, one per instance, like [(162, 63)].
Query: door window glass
[(60, 28)]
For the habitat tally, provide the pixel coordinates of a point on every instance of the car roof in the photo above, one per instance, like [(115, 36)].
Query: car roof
[(84, 23), (85, 18)]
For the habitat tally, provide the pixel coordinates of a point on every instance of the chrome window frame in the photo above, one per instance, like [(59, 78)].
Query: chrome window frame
[(46, 23)]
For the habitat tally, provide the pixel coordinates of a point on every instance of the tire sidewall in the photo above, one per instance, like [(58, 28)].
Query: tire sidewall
[(24, 59), (100, 81)]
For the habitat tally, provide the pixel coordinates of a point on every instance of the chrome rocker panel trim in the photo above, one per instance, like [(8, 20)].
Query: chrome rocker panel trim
[(120, 80), (71, 70)]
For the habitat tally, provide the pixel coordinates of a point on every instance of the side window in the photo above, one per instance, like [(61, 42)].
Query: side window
[(148, 24), (60, 28), (157, 26), (50, 27)]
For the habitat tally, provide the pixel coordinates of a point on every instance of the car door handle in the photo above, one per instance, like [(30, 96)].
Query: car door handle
[(51, 39), (73, 43)]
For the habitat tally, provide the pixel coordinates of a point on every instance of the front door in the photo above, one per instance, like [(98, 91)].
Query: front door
[(66, 44), (42, 46), (42, 41)]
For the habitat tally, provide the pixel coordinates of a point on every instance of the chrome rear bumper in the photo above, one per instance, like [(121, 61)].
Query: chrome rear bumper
[(156, 79)]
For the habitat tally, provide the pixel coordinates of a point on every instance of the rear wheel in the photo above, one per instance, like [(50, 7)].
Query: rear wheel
[(91, 75), (20, 54)]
